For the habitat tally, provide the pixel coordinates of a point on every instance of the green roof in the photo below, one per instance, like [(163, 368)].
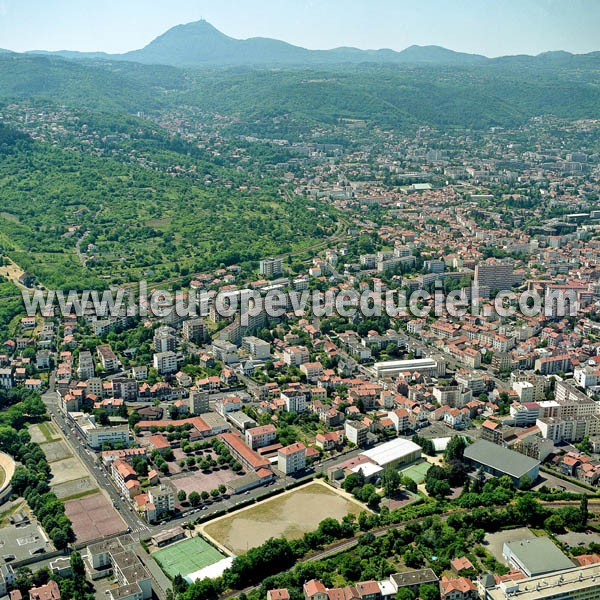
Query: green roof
[(501, 459)]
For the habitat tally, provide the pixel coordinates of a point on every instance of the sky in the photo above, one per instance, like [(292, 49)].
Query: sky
[(489, 27)]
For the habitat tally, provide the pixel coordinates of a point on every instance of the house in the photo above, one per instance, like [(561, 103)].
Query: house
[(329, 440), (280, 594), (315, 590), (461, 564), (458, 589), (50, 591)]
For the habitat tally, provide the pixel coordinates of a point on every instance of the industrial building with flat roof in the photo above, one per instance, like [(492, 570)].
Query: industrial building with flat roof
[(499, 461), (578, 583), (394, 453), (434, 367), (536, 556)]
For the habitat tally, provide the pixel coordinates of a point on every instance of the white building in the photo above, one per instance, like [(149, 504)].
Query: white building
[(165, 362), (292, 458), (263, 435), (295, 400)]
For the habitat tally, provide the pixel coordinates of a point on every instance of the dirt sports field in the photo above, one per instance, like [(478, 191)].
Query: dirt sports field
[(93, 517), (289, 515)]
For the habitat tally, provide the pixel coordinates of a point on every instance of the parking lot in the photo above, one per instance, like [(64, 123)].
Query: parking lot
[(494, 542), (574, 538), (23, 542)]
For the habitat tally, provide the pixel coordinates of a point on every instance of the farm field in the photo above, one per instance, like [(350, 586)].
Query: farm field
[(289, 515)]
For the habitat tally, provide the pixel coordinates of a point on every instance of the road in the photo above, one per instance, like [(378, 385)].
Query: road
[(93, 465), (552, 481), (139, 528)]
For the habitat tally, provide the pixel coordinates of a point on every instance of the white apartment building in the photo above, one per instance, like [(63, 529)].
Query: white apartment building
[(292, 458), (163, 498), (263, 435), (271, 267), (165, 362), (295, 400)]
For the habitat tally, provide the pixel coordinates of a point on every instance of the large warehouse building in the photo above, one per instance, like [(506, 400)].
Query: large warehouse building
[(499, 461), (394, 453), (434, 367), (536, 556)]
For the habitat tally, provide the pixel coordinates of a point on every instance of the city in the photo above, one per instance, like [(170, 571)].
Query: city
[(315, 441)]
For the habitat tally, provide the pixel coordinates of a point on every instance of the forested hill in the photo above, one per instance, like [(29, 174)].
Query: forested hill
[(504, 94)]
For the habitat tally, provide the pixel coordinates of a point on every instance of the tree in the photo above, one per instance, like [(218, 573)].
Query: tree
[(180, 585), (525, 483), (409, 484), (583, 509), (353, 481), (456, 448), (204, 495), (427, 591), (181, 495), (390, 481), (404, 594), (222, 489), (194, 498)]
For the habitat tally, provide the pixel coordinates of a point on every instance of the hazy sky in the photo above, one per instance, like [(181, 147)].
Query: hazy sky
[(490, 27)]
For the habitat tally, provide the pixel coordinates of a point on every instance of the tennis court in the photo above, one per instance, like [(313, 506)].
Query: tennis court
[(187, 556), (417, 472)]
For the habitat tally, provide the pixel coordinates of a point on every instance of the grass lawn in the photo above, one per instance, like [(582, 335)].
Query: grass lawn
[(48, 431), (187, 556), (2, 477)]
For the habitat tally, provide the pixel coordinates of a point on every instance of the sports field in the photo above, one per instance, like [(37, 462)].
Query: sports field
[(288, 515), (417, 472), (187, 556)]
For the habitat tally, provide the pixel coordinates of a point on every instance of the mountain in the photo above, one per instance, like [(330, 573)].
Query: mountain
[(201, 45)]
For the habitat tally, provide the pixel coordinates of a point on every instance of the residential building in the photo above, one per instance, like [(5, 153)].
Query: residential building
[(163, 498), (292, 458), (256, 347), (198, 402), (85, 369), (263, 435), (195, 330), (356, 432), (295, 400), (107, 358), (271, 267), (165, 362)]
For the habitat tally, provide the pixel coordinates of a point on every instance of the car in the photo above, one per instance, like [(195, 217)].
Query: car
[(205, 508), (246, 493)]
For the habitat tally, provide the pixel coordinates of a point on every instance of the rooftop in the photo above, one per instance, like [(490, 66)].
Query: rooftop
[(538, 555), (390, 451), (504, 460)]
